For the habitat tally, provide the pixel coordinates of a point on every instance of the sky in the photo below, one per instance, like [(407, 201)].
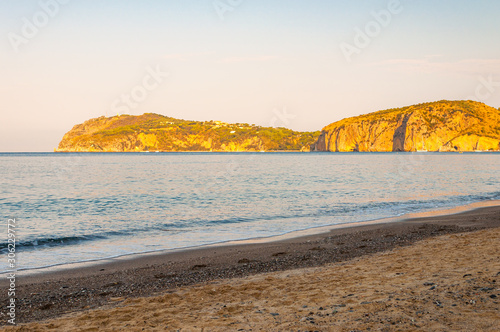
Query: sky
[(287, 63)]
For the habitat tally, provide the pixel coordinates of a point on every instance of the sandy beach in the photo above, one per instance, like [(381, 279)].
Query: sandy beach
[(438, 273)]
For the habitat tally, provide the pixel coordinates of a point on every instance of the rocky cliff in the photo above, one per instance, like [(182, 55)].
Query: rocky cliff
[(437, 126), (153, 132)]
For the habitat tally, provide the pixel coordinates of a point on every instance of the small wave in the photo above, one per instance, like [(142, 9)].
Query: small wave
[(52, 242), (236, 220), (404, 206), (386, 209)]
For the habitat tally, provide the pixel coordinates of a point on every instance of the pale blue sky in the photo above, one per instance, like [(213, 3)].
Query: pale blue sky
[(263, 59)]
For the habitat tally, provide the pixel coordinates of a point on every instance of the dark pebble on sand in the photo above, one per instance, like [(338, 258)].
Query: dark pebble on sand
[(493, 296), (198, 266), (46, 306), (244, 261), (274, 314)]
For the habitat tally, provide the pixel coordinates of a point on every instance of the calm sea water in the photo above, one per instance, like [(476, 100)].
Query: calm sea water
[(79, 207)]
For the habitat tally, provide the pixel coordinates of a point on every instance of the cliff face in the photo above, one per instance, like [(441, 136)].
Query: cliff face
[(438, 126), (153, 132)]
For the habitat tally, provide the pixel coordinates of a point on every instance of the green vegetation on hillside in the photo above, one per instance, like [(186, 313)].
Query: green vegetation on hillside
[(153, 132)]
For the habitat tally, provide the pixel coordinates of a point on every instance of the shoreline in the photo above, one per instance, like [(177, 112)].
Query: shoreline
[(445, 283), (251, 152), (294, 234), (50, 295)]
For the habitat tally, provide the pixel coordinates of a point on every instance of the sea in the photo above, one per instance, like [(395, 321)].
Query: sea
[(86, 207)]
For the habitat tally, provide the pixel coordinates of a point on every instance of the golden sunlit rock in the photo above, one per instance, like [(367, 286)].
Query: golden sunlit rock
[(437, 126)]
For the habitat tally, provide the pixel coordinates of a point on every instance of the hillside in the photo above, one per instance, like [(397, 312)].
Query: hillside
[(438, 126), (153, 132)]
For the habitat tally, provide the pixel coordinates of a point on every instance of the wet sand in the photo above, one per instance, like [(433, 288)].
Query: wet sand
[(427, 273)]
